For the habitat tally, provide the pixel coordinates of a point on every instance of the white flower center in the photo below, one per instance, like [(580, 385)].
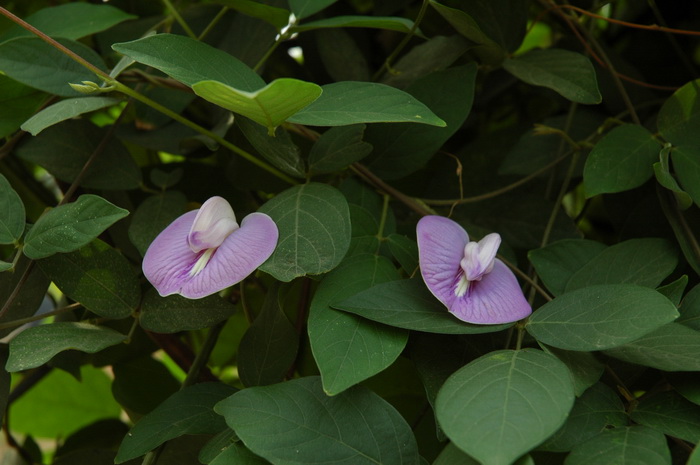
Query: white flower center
[(201, 262), (479, 259)]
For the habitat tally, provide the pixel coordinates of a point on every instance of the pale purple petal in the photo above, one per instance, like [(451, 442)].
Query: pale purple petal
[(169, 258), (479, 256), (215, 220), (497, 298), (441, 244), (241, 253)]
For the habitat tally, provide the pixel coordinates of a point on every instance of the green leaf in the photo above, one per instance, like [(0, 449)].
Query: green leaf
[(12, 214), (166, 179), (662, 171), (628, 445), (64, 150), (357, 426), (557, 262), (342, 57), (645, 262), (584, 367), (154, 215), (31, 292), (400, 149), (597, 409), (132, 374), (279, 150), (35, 346), (600, 317), (314, 227), (690, 309), (270, 345), (337, 148), (278, 17), (189, 411), (672, 347), (408, 304), (73, 404), (65, 109), (451, 455), (671, 414), (304, 8), (344, 103), (405, 251), (504, 404), (17, 103), (175, 313), (37, 64), (680, 115), (390, 23), (622, 160), (97, 276), (190, 61), (269, 106), (346, 348), (69, 227), (77, 20), (674, 290), (570, 74), (687, 168), (694, 458)]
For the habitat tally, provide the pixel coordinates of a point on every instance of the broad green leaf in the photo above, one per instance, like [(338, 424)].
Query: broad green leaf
[(694, 458), (505, 403), (175, 313), (391, 23), (626, 445), (37, 64), (344, 103), (314, 227), (596, 410), (17, 103), (679, 116), (270, 345), (153, 215), (64, 150), (405, 251), (349, 349), (269, 106), (452, 455), (190, 61), (31, 293), (584, 367), (644, 262), (690, 309), (97, 276), (486, 49), (671, 414), (568, 73), (337, 148), (189, 411), (73, 404), (557, 262), (304, 8), (132, 374), (662, 171), (35, 346), (278, 17), (76, 20), (672, 347), (237, 453), (408, 304), (357, 426), (600, 317), (687, 168), (622, 160), (674, 291), (279, 149), (400, 149), (65, 109), (217, 444), (12, 214), (69, 227)]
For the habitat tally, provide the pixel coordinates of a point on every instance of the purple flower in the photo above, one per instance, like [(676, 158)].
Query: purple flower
[(466, 276), (205, 250)]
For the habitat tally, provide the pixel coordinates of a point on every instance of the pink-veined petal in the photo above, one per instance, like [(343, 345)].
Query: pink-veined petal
[(441, 244), (214, 222), (479, 256), (241, 253), (496, 299), (169, 258)]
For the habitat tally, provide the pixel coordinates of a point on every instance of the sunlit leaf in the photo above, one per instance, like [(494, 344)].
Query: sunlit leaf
[(63, 110)]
